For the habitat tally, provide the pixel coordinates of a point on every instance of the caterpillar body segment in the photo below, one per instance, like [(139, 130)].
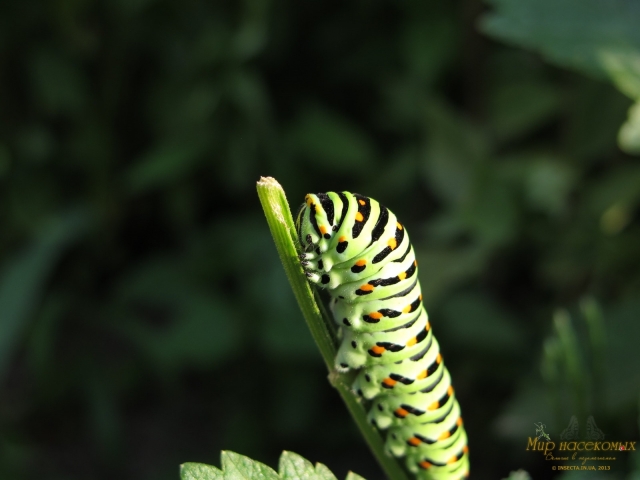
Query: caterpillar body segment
[(359, 349), (404, 377), (413, 439), (438, 464), (375, 315), (358, 250), (413, 408)]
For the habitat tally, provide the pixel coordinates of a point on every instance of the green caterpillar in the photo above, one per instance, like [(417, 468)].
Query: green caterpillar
[(356, 249)]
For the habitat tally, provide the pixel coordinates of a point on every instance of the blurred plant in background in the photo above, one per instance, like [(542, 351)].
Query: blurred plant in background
[(145, 319)]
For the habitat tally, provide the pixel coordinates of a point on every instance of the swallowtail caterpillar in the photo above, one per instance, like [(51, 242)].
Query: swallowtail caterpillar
[(358, 251)]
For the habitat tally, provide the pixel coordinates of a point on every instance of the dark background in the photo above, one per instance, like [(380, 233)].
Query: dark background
[(145, 319)]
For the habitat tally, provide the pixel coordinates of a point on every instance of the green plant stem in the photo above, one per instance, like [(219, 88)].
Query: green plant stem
[(276, 209), (597, 340), (573, 362), (550, 369)]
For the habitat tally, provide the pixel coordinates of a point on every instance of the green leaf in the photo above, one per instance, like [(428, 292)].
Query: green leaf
[(354, 476), (323, 472), (199, 471), (293, 466), (236, 467)]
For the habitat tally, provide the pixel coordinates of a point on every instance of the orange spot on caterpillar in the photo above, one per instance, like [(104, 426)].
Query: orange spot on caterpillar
[(415, 441), (398, 225), (465, 449), (444, 435), (412, 342), (359, 217), (401, 412), (366, 288), (434, 406), (323, 229), (361, 262), (362, 202), (453, 459), (450, 390), (378, 350), (439, 359), (392, 243), (459, 421), (308, 200), (406, 309), (424, 465), (422, 375), (389, 382), (428, 327), (375, 315), (402, 276), (342, 239), (420, 297)]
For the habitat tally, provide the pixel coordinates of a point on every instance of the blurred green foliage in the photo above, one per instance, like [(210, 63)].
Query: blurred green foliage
[(145, 319), (597, 37)]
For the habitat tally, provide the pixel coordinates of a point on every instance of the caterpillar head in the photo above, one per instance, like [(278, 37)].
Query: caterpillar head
[(315, 222)]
